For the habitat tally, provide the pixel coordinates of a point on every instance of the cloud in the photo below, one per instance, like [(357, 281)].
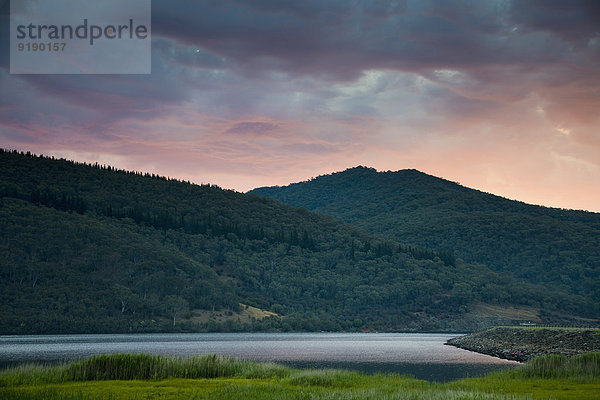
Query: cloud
[(248, 93), (332, 40), (575, 21), (252, 128)]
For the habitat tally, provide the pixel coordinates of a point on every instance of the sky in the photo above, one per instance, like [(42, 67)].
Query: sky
[(501, 96)]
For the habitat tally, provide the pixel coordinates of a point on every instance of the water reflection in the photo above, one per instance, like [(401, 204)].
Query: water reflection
[(422, 355)]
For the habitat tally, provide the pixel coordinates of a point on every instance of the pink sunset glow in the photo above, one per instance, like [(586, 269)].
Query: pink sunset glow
[(499, 96)]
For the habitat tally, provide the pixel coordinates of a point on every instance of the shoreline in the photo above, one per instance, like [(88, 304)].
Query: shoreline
[(125, 376), (524, 343)]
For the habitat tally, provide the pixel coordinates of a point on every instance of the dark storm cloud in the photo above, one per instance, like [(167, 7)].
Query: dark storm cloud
[(293, 88), (4, 33), (323, 38), (101, 98), (329, 40), (574, 20), (339, 39)]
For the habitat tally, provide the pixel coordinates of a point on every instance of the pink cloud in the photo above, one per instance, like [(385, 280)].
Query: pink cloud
[(247, 94)]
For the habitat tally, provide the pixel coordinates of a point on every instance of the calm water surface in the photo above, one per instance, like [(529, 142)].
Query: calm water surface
[(422, 355)]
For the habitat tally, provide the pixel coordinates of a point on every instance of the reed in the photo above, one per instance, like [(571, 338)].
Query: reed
[(217, 377), (325, 377), (140, 367), (581, 368)]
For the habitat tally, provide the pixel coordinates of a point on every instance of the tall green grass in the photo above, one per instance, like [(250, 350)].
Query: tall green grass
[(141, 367), (324, 377), (274, 391), (581, 368), (546, 377), (110, 377)]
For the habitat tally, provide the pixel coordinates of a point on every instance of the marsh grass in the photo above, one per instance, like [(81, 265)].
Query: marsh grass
[(580, 368), (145, 366), (141, 376), (32, 374), (325, 377), (274, 391), (546, 377), (53, 394), (141, 367), (263, 392)]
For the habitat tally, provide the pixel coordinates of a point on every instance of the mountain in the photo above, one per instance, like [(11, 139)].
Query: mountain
[(89, 248), (555, 247)]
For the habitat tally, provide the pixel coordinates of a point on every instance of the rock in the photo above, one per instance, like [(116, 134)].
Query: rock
[(524, 343)]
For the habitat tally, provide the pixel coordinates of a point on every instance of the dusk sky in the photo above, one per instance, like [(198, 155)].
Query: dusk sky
[(501, 96)]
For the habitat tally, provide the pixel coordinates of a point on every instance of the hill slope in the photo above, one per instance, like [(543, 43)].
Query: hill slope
[(560, 248), (92, 249)]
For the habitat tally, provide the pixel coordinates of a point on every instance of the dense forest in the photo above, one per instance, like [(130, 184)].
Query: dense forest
[(89, 248), (559, 248)]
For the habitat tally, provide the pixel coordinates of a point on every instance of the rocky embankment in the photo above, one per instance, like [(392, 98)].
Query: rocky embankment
[(523, 343)]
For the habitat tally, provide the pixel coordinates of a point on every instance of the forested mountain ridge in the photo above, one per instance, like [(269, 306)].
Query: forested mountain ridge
[(557, 247), (87, 248)]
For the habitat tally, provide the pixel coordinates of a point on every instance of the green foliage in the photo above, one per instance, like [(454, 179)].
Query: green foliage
[(140, 367), (132, 252), (323, 377), (145, 366), (555, 247), (213, 377), (581, 368), (550, 376)]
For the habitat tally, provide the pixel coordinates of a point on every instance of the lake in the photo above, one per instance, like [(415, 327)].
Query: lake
[(422, 355)]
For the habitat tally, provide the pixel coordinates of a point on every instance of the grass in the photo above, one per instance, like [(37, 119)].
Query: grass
[(135, 376), (246, 315), (512, 313), (140, 367), (581, 368)]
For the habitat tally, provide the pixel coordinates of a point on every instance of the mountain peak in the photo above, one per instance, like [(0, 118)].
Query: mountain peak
[(165, 251), (413, 207)]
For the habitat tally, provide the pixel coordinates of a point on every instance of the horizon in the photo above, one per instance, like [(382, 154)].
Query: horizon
[(499, 96), (289, 183)]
